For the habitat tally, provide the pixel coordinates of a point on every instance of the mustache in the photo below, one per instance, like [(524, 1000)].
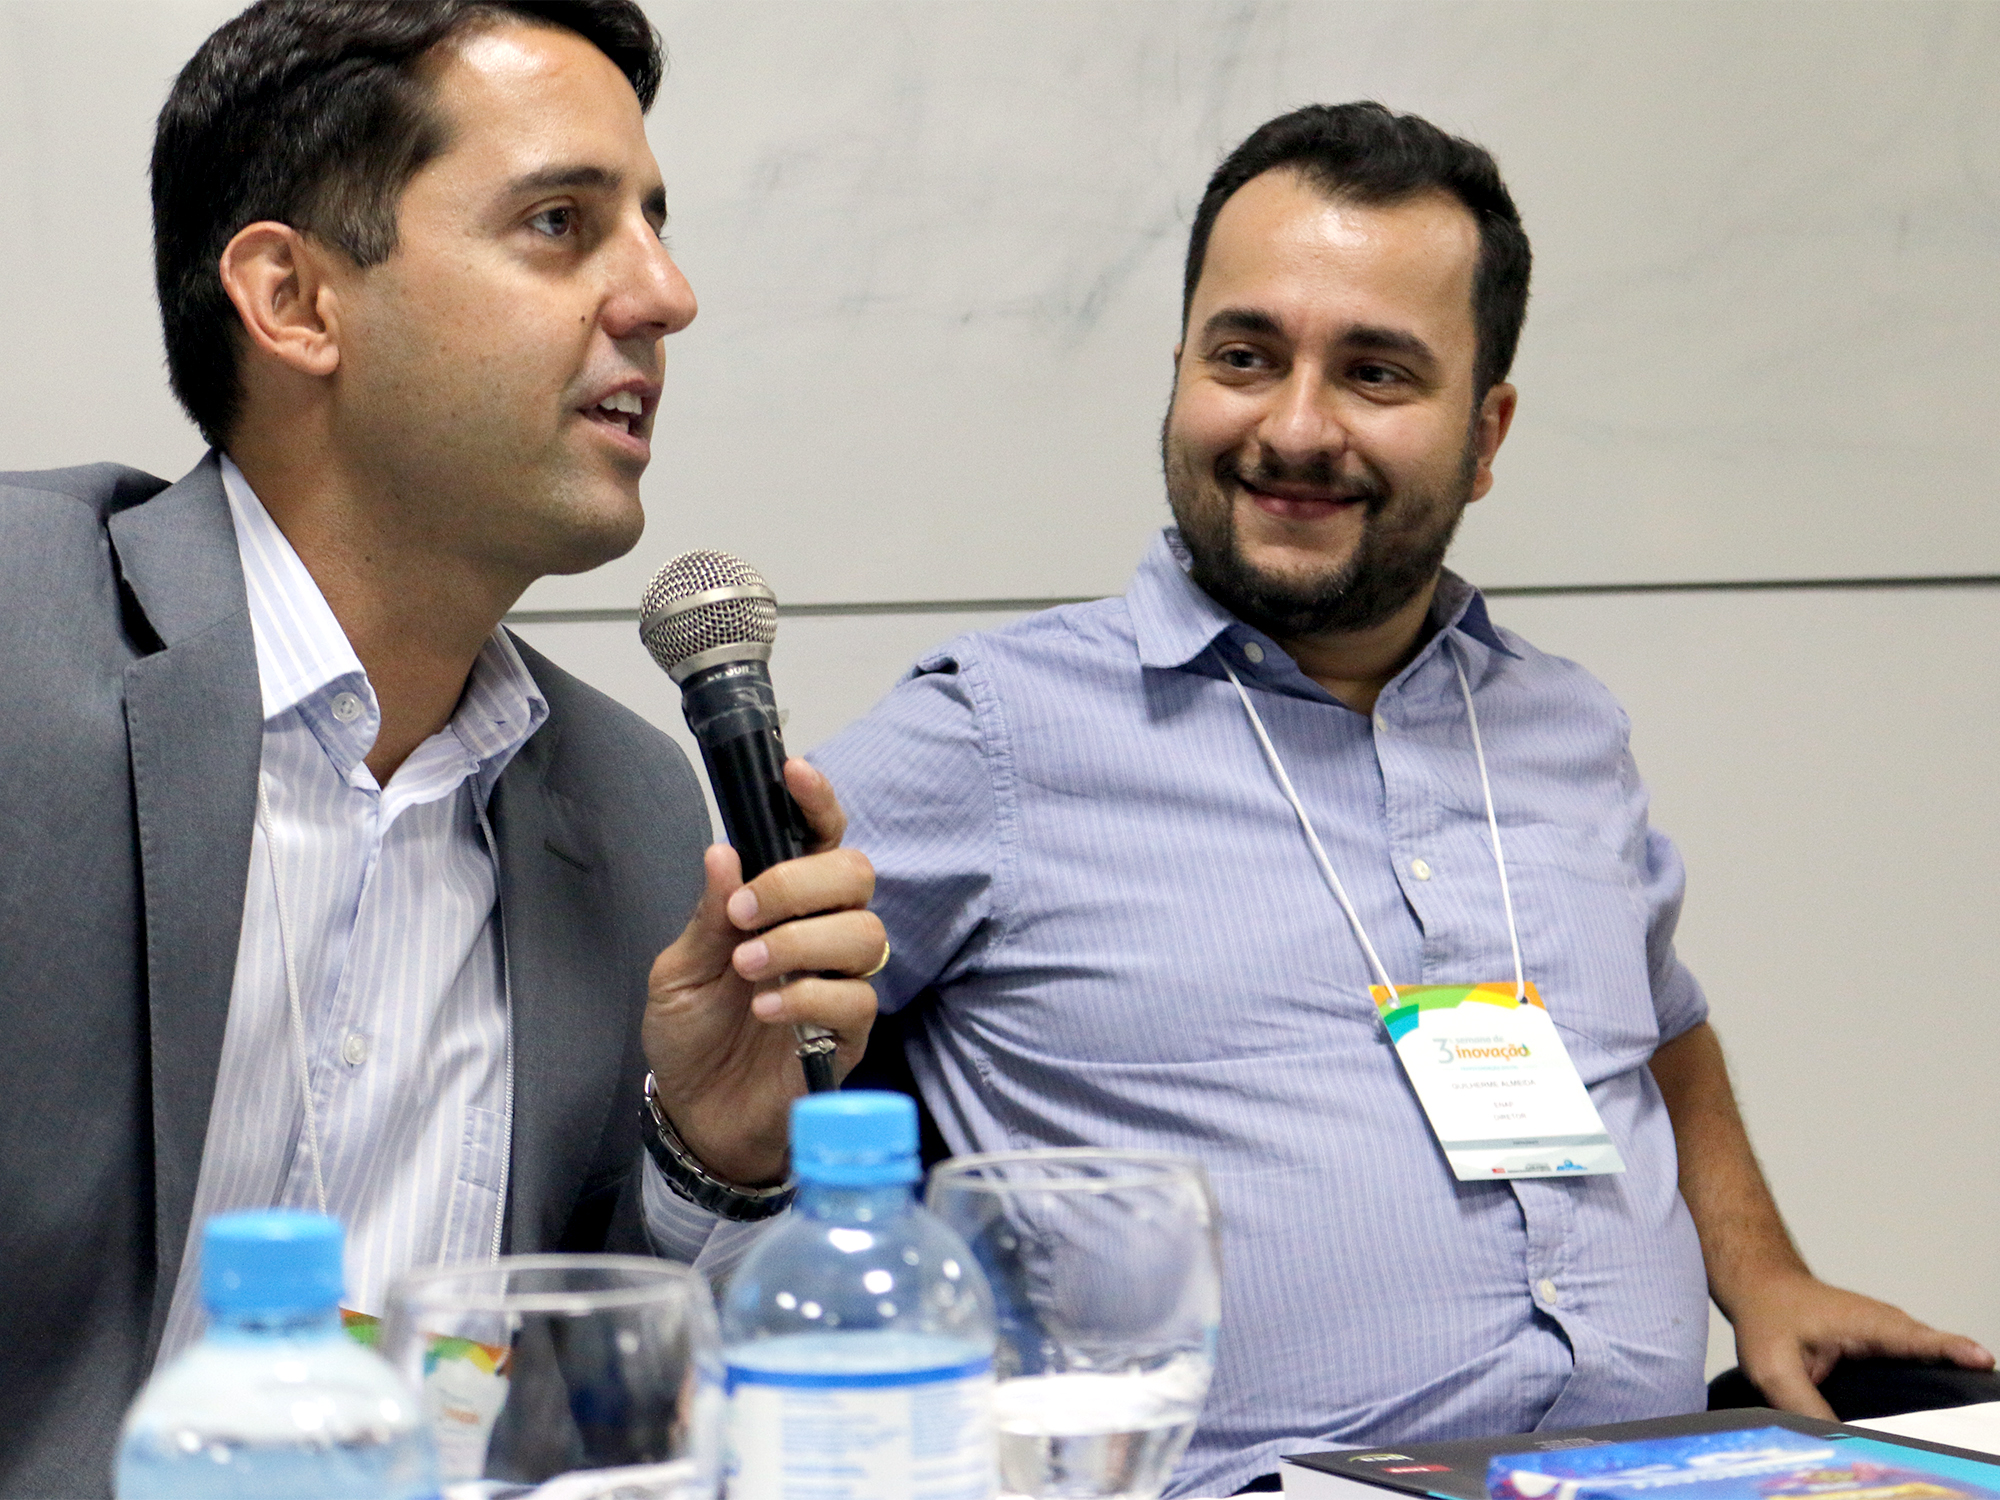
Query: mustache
[(1318, 473)]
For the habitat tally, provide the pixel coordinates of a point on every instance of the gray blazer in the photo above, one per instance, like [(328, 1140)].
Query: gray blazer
[(130, 729)]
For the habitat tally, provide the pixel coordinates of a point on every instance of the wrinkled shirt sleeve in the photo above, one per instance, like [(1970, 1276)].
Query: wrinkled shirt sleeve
[(1677, 994), (1678, 1000), (924, 779)]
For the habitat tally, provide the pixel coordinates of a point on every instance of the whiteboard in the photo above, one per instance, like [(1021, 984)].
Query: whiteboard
[(937, 247)]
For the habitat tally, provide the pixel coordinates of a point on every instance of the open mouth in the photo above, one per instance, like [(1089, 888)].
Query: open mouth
[(624, 410)]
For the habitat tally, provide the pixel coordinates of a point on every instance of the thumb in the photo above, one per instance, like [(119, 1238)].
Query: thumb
[(1786, 1384), (704, 947)]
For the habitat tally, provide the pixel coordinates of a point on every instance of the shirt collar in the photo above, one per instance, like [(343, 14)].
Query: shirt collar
[(501, 708), (304, 660), (1174, 621), (301, 648), (1461, 607)]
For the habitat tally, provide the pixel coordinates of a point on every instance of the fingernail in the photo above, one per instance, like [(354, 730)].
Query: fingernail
[(743, 908), (767, 1006), (752, 957)]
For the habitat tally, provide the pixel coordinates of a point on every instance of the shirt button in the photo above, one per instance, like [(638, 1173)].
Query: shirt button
[(1419, 869), (355, 1050), (346, 707), (1381, 725), (1252, 652), (1546, 1290)]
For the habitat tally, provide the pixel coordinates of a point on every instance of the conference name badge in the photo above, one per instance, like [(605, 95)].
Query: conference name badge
[(1495, 1081)]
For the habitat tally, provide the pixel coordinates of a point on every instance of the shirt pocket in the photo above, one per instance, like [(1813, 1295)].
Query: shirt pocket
[(482, 1150), (1583, 920), (473, 1209)]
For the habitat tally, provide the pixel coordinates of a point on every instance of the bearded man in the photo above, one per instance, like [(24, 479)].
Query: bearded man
[(1110, 928)]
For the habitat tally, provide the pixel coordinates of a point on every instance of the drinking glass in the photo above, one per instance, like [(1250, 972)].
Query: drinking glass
[(1106, 1276), (535, 1366)]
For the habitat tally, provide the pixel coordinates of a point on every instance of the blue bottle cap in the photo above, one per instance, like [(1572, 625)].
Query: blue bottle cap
[(866, 1138), (278, 1260)]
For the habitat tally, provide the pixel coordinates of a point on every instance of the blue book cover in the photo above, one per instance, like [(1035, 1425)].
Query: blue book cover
[(1758, 1463)]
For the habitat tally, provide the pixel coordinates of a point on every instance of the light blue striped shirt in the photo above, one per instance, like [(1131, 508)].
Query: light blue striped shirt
[(386, 896), (1078, 842)]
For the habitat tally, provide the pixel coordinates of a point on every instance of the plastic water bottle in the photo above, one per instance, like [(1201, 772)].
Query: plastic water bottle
[(276, 1399), (858, 1334)]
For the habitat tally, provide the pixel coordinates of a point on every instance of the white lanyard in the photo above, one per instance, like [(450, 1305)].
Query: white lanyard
[(300, 1059), (1319, 850)]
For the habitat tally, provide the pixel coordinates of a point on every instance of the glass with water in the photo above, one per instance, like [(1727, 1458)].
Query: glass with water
[(602, 1369), (1106, 1277)]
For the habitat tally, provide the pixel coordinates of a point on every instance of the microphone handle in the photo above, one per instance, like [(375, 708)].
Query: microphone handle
[(759, 817), (734, 716)]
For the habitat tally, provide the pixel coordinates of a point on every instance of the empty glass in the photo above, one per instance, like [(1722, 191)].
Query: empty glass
[(535, 1366), (1107, 1281)]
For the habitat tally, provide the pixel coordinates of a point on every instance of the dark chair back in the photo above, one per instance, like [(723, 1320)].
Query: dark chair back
[(887, 1066), (1862, 1388)]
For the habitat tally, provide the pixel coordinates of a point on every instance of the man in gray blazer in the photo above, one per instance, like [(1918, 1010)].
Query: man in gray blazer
[(414, 295)]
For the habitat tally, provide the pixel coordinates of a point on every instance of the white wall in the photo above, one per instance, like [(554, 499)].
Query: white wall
[(937, 245)]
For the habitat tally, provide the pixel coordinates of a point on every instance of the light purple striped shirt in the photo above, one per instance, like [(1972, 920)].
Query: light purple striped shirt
[(388, 902), (1078, 842)]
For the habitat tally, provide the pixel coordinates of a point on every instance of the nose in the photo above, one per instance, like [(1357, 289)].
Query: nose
[(649, 297), (1301, 424)]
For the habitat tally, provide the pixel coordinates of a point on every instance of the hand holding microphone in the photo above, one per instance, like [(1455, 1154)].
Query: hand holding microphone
[(709, 621)]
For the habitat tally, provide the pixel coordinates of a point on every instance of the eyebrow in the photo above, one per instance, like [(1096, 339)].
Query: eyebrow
[(555, 179), (1388, 341), (550, 179), (1241, 320), (1367, 336)]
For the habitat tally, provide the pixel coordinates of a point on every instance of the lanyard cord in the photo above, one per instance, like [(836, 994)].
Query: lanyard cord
[(1493, 828), (1312, 837), (292, 995), (1326, 865)]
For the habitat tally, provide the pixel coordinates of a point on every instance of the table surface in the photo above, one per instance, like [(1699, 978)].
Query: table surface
[(1975, 1427)]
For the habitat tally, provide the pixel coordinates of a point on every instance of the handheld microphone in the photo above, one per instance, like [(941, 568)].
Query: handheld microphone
[(709, 620)]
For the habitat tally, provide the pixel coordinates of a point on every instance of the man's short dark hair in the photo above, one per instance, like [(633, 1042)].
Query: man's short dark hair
[(1365, 153), (316, 114)]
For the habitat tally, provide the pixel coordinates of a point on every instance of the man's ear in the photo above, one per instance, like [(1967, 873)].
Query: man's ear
[(277, 278), (1489, 431)]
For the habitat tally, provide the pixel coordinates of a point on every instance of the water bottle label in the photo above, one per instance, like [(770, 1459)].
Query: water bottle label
[(897, 1435)]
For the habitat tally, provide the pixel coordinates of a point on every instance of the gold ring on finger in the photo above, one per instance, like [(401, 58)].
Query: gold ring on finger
[(880, 963)]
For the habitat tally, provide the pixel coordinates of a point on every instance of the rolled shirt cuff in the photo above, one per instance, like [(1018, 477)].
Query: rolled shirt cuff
[(690, 1234)]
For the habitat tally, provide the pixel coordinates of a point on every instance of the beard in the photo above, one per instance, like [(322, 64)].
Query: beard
[(1403, 543)]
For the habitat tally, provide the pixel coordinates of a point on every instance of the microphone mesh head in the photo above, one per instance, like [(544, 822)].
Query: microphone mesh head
[(707, 627)]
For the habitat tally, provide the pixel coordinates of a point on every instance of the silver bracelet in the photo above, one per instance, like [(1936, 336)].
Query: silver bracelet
[(691, 1180)]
